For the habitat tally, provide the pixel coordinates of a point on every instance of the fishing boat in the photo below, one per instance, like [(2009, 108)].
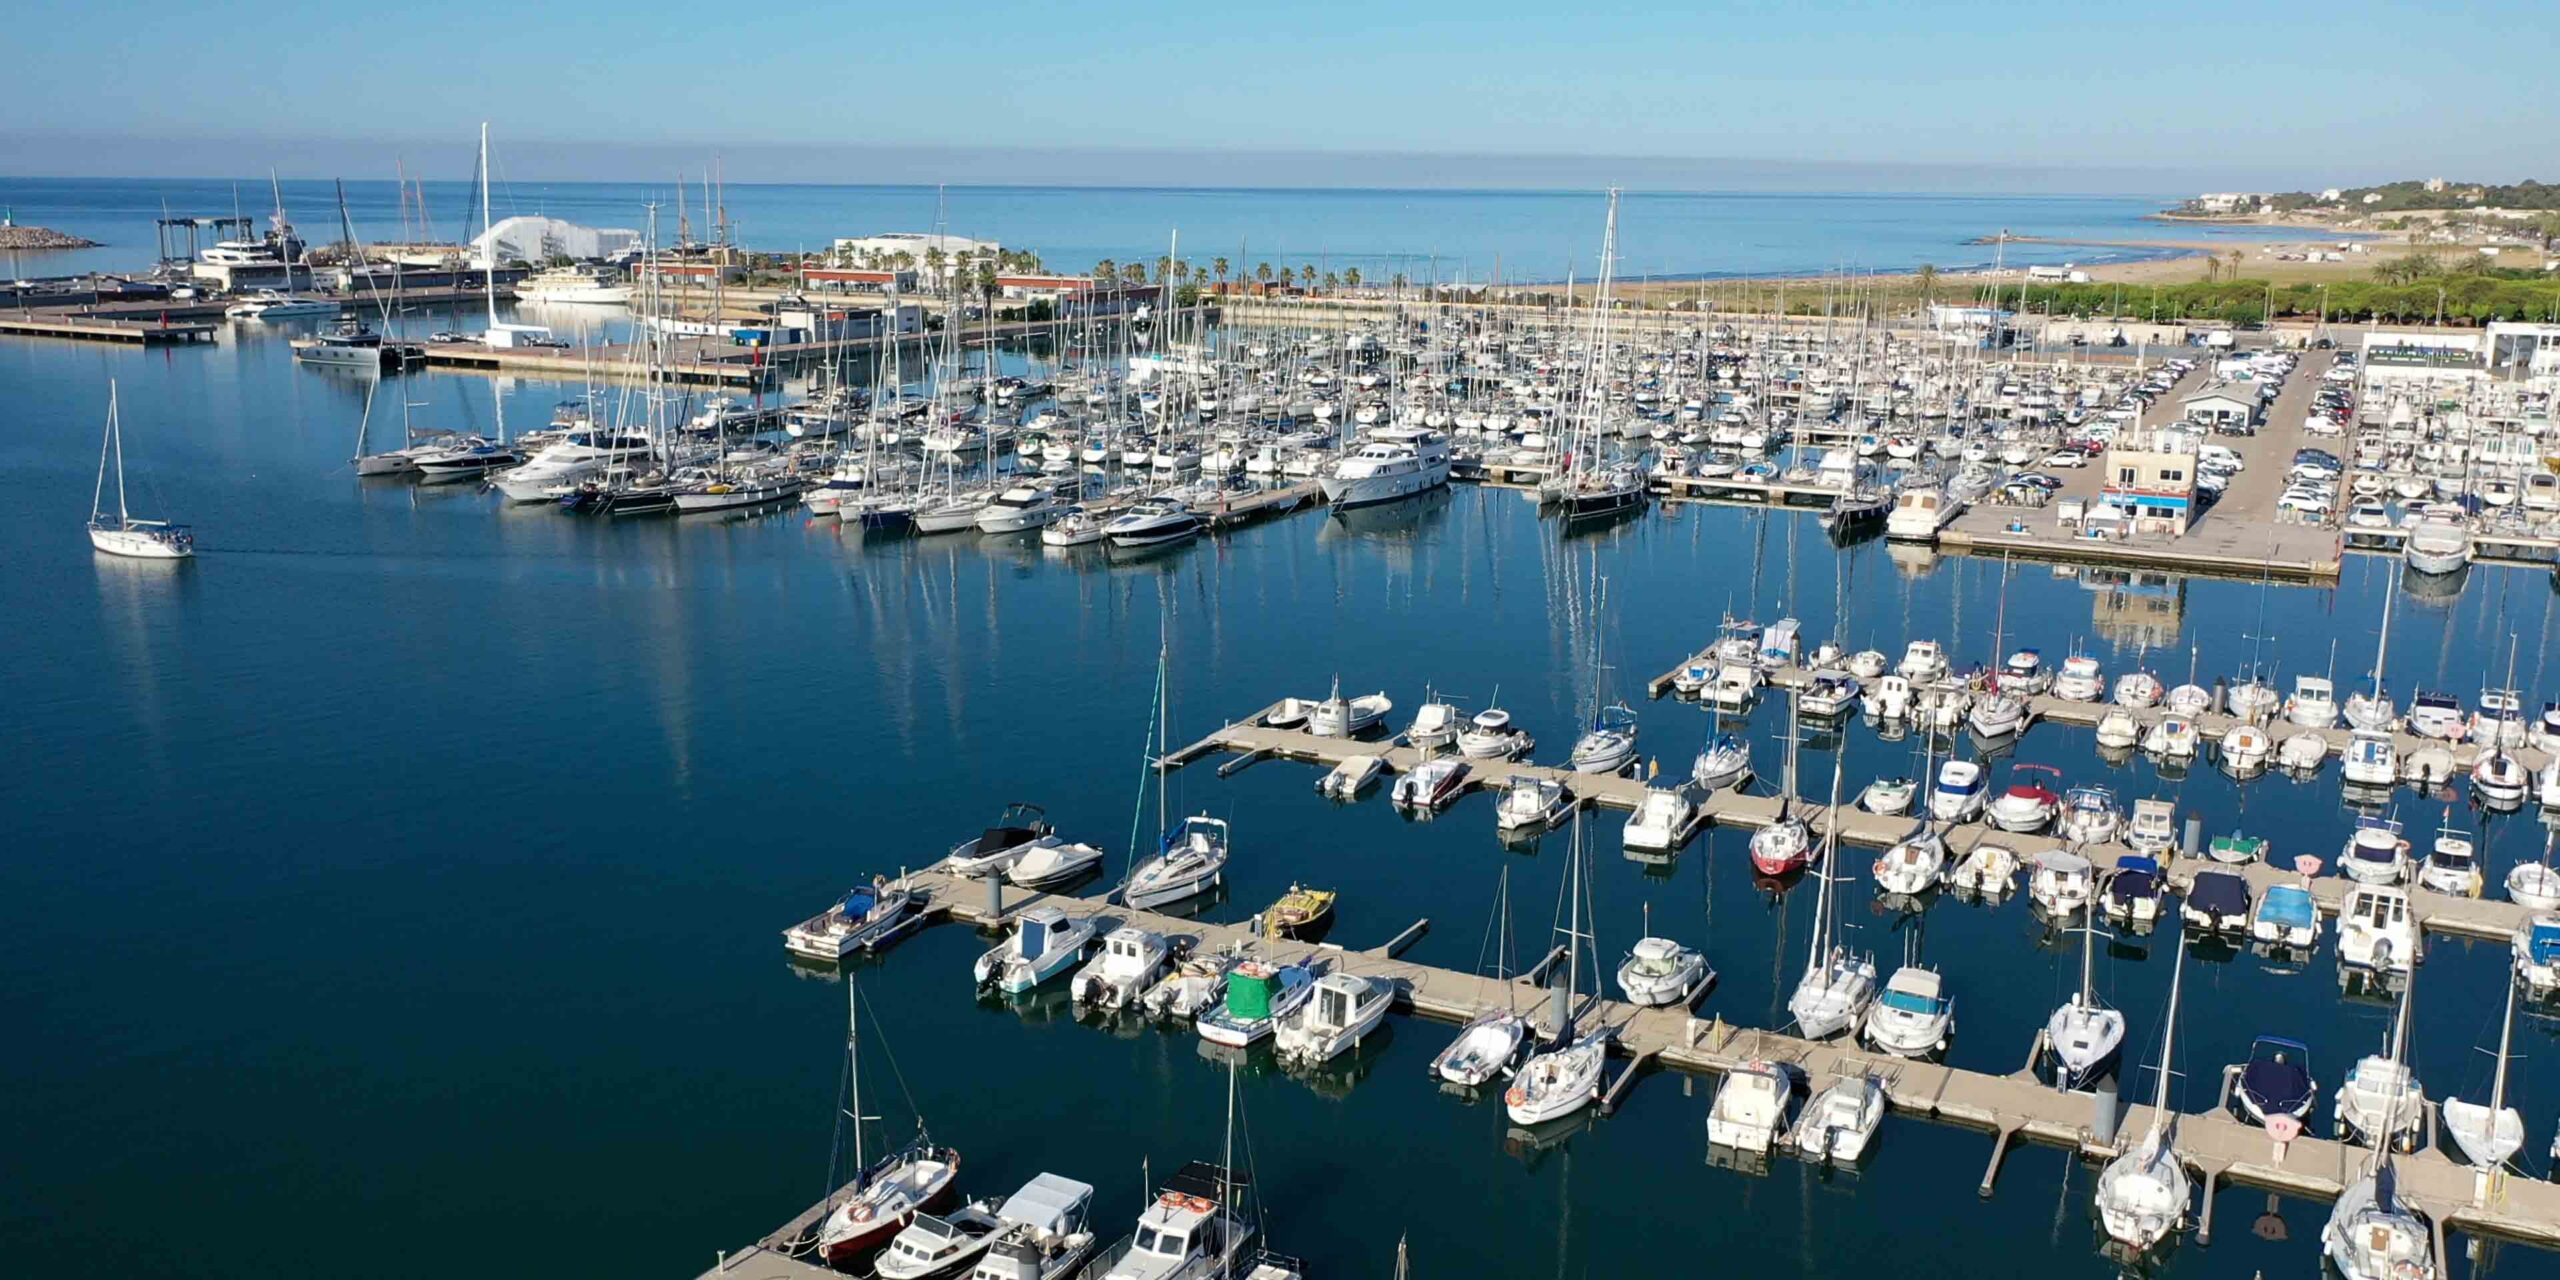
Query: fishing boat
[(1840, 1121), (1887, 699), (1750, 1107), (1046, 942), (1195, 1228), (1660, 971), (2144, 1192), (2452, 865), (121, 534), (1490, 735), (2376, 853), (1343, 1008), (1340, 717), (1131, 960), (933, 1245), (1530, 801), (1258, 995), (1435, 728), (867, 915), (1299, 912), (2061, 882), (1190, 985), (1046, 1232), (2375, 930)]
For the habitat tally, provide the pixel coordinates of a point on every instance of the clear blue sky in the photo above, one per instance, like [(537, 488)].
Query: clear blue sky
[(2152, 96)]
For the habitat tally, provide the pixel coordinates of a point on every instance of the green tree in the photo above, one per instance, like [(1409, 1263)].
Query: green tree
[(1332, 282), (1134, 273), (1927, 279), (1219, 266), (1351, 276), (1106, 271), (1262, 273)]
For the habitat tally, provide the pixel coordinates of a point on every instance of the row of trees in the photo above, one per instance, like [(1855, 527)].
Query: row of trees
[(2470, 298), (1168, 270)]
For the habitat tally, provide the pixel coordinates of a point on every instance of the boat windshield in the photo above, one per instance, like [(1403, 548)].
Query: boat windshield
[(1911, 1002)]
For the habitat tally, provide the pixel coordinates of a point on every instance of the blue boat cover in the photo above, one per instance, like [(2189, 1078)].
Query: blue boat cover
[(2278, 1077), (858, 903), (2138, 862), (2288, 906), (2544, 943), (2219, 893)]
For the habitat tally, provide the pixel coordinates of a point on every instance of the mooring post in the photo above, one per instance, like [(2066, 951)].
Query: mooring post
[(995, 896)]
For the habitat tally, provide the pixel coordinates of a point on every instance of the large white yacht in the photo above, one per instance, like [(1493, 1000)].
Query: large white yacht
[(572, 284), (1918, 514), (1397, 462), (568, 460)]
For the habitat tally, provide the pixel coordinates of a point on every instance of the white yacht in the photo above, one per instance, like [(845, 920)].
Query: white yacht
[(1153, 522), (1396, 462), (1020, 509), (867, 916), (1132, 959), (1918, 514), (1913, 1016), (572, 284), (1840, 1121), (1660, 971), (561, 464), (2438, 546)]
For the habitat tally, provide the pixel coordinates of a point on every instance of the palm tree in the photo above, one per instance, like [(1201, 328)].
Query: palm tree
[(1307, 275), (1219, 266), (1106, 271), (1927, 277), (2234, 256), (1331, 282), (1263, 273), (1351, 276), (1398, 282), (1135, 272)]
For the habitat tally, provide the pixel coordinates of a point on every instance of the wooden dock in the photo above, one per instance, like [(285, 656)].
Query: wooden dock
[(103, 328)]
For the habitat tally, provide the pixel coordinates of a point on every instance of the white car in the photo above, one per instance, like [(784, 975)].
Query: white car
[(2306, 501), (2220, 458), (2067, 458)]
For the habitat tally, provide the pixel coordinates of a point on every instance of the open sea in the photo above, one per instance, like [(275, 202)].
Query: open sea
[(396, 889), (1471, 236)]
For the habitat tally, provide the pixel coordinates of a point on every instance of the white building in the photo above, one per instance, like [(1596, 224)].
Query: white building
[(883, 249), (538, 240)]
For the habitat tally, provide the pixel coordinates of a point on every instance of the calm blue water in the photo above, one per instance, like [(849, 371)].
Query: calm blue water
[(1446, 235), (397, 886)]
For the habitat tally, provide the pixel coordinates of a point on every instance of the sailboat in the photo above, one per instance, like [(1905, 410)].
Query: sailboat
[(1565, 1078), (121, 534), (1609, 745), (1189, 862), (2373, 710), (2143, 1193), (1784, 845), (2370, 1235), (1837, 985), (881, 1198), (474, 456), (2083, 1035), (2489, 1135), (1491, 1041), (1594, 485)]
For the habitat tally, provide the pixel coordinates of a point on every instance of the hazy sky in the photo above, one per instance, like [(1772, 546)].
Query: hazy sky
[(2163, 95)]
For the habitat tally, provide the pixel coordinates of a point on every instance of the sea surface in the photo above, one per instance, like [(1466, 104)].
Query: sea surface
[(1472, 236), (396, 889)]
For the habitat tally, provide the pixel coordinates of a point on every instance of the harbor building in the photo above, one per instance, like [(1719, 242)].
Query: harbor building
[(937, 256), (2523, 349), (2219, 408), (2150, 476), (2404, 356), (539, 240)]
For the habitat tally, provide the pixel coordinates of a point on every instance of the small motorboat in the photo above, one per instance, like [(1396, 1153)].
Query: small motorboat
[(1913, 866), (1486, 1047), (2134, 891), (2173, 737), (2237, 850), (1044, 944), (2090, 816), (2117, 728), (1000, 846), (867, 915), (1344, 1008), (1750, 1108), (2534, 885), (2376, 853), (1348, 779), (2028, 805), (1431, 785), (2275, 1090), (1341, 717), (1258, 995), (2153, 829), (2216, 902), (1840, 1121), (1659, 820), (1987, 870), (2061, 882), (1659, 971), (1191, 984), (1888, 796), (1299, 912), (2376, 931), (932, 1246), (1832, 693), (2452, 865), (2286, 917), (1913, 1016), (1959, 795), (1132, 959), (1530, 801), (2302, 753), (1044, 863), (2080, 680), (1490, 735), (2244, 749)]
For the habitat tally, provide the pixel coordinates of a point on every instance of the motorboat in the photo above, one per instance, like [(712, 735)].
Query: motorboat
[(1153, 522), (2537, 953), (1922, 662), (1750, 1108), (1189, 986), (1529, 801), (573, 457), (2153, 829), (2437, 546), (1942, 705), (2172, 737), (2437, 715), (1888, 796), (1344, 1008), (2117, 728), (1431, 785), (2080, 680), (1045, 942), (1074, 527), (2376, 930), (1913, 1016), (1660, 971), (1020, 509), (2024, 673), (1341, 717), (2302, 753), (1348, 779), (2244, 749), (2028, 805), (2216, 902), (2452, 865), (932, 1245), (1047, 1232), (1831, 693), (2138, 690), (995, 849), (2376, 853), (2499, 779), (2275, 1090), (1987, 870), (1732, 688), (1840, 1121), (2134, 891), (2313, 704), (1132, 959), (1194, 1228), (1608, 746), (2090, 816), (1192, 861), (1913, 866), (1490, 735), (866, 916), (2061, 882), (1866, 664), (1258, 995), (2370, 759), (2429, 767), (1960, 793), (2286, 917), (1486, 1047), (1047, 863), (1393, 463), (2534, 886), (1888, 698), (1435, 728), (1660, 820)]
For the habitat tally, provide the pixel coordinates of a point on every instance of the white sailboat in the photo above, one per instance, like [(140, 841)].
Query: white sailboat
[(2083, 1035), (1491, 1041), (1837, 984), (121, 534), (2143, 1193), (2489, 1135), (1565, 1078)]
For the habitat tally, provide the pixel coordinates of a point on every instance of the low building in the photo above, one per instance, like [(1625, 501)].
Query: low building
[(921, 250), (2219, 407), (1989, 327), (691, 272), (2523, 349), (538, 240), (859, 279), (2151, 477), (2422, 355), (800, 319)]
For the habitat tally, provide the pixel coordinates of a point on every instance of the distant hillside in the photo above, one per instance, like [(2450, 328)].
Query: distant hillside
[(2402, 197)]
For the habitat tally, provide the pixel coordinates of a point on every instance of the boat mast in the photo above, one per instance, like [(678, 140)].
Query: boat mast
[(1819, 946), (853, 1069), (106, 442), (2168, 1045), (2383, 647)]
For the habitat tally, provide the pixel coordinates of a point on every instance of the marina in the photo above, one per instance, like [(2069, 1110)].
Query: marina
[(683, 736)]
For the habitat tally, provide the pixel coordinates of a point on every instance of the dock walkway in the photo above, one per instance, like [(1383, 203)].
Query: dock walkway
[(102, 328)]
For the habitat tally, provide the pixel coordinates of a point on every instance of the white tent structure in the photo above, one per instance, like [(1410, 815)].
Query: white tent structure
[(538, 239)]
